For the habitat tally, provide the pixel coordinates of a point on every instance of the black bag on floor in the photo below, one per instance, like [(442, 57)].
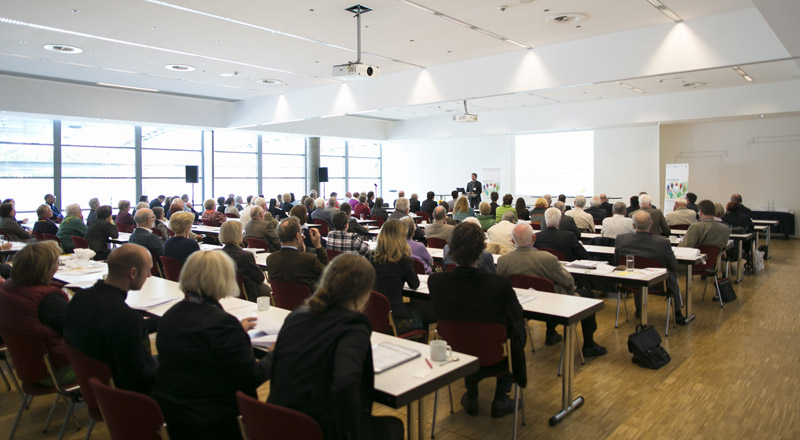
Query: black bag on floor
[(726, 290), (646, 347)]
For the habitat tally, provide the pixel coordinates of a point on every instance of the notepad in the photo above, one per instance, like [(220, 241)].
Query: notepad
[(260, 338), (150, 303), (386, 356), (584, 264), (525, 298)]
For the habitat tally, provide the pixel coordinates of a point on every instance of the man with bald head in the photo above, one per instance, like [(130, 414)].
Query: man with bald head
[(528, 260), (608, 207), (681, 215), (644, 244), (439, 227), (100, 324), (143, 234)]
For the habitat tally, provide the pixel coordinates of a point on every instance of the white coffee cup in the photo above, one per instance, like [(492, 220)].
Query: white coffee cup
[(262, 303), (440, 351)]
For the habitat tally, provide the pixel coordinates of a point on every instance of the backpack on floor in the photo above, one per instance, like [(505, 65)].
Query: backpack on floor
[(645, 344)]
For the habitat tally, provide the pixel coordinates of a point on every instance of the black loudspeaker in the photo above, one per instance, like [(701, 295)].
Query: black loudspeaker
[(322, 172), (192, 172)]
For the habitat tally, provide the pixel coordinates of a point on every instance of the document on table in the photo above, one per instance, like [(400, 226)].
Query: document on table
[(265, 333), (584, 264), (81, 284), (386, 356), (688, 253), (148, 303), (525, 298)]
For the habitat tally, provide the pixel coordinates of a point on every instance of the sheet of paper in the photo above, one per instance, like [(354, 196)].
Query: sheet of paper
[(149, 303), (387, 355), (584, 264), (604, 268), (525, 298)]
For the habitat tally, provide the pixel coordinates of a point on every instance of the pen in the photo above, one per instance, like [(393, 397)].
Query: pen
[(429, 363)]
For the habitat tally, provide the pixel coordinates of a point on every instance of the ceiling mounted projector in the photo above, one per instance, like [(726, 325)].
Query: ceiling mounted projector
[(356, 69), (466, 117)]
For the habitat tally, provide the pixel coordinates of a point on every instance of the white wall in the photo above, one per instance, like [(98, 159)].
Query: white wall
[(760, 161), (626, 162)]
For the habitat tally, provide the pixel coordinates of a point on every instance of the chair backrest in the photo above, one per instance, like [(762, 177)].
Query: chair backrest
[(523, 281), (424, 216), (157, 232), (712, 255), (332, 253), (485, 340), (257, 243), (87, 367), (124, 228), (536, 225), (262, 420), (436, 243), (129, 415), (378, 310), (39, 236), (242, 289), (323, 230), (419, 268), (450, 267), (51, 237), (27, 354), (379, 221), (209, 222), (79, 242), (231, 215), (289, 296), (680, 227), (172, 268), (156, 269), (556, 252)]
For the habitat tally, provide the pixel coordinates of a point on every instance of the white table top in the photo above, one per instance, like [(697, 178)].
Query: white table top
[(203, 229), (569, 308), (683, 255), (84, 274), (16, 246), (766, 222)]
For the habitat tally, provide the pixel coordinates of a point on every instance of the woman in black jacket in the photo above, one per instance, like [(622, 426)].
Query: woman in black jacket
[(230, 235), (204, 354), (322, 364), (100, 232)]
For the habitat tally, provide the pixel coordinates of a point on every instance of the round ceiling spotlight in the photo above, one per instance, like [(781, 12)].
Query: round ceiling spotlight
[(179, 67), (566, 18), (270, 81), (63, 48)]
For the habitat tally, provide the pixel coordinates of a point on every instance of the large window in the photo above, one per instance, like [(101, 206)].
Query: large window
[(364, 166), (235, 163), (97, 160), (283, 165), (332, 154), (165, 154), (26, 162)]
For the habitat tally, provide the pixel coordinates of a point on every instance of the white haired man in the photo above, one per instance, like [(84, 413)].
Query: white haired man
[(583, 220)]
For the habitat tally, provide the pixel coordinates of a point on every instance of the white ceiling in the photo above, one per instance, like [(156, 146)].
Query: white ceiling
[(129, 42)]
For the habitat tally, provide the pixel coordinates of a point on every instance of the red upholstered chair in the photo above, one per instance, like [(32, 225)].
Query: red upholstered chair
[(289, 296), (39, 236), (32, 362), (231, 215), (129, 415), (158, 233), (537, 225), (680, 227), (172, 268), (450, 267), (156, 269), (419, 267), (4, 356), (87, 368), (124, 228), (709, 268), (209, 223), (79, 242), (332, 253), (262, 420), (424, 216), (436, 243), (52, 237), (323, 229), (379, 313), (488, 341), (658, 289), (242, 289), (556, 252), (379, 221), (257, 243)]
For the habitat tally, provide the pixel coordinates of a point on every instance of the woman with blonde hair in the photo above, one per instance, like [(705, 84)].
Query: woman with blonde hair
[(537, 214), (181, 246), (323, 363), (393, 269), (204, 354), (485, 217), (462, 210)]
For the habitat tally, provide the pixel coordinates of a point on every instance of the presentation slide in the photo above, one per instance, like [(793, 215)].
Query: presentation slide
[(555, 163)]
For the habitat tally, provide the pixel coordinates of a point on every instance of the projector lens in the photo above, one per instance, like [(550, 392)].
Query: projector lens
[(369, 71)]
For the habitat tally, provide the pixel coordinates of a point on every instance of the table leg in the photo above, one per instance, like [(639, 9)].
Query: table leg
[(567, 403), (766, 251), (689, 315), (411, 420), (421, 418), (739, 274), (756, 238), (644, 305)]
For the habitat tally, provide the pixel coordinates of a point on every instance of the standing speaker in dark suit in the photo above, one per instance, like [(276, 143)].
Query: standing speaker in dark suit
[(474, 189)]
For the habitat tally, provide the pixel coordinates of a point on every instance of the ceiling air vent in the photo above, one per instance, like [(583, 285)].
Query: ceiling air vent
[(63, 48), (567, 18)]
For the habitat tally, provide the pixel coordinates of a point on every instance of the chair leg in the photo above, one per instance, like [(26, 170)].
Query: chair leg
[(14, 378), (67, 417), (5, 381), (616, 318), (530, 337), (666, 330), (516, 411), (579, 344), (705, 286), (435, 405), (450, 392), (50, 414), (19, 417), (89, 429), (719, 294)]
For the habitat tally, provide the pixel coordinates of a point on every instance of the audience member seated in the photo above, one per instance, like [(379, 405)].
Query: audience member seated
[(485, 217), (220, 206), (439, 228), (8, 223), (261, 228), (123, 215), (527, 260), (521, 209), (353, 225), (634, 206), (660, 226), (462, 209), (300, 213), (402, 209), (642, 243), (31, 303), (597, 212), (160, 223), (211, 215), (244, 213), (735, 218), (467, 294), (362, 208), (143, 236), (230, 207), (452, 202), (413, 203), (691, 199), (51, 202), (618, 224), (44, 225), (494, 197), (393, 269), (485, 261), (100, 324), (418, 250), (286, 206), (71, 225), (719, 212), (100, 232), (230, 235), (343, 241), (567, 223), (537, 213), (501, 232), (681, 215), (583, 220), (94, 202), (563, 199), (506, 206), (204, 354), (608, 207), (707, 231), (428, 204), (323, 365), (158, 201), (292, 264), (181, 246), (549, 200), (371, 199), (320, 213), (743, 209), (552, 237)]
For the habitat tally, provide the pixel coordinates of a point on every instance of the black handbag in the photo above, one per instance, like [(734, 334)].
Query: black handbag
[(645, 344), (726, 290)]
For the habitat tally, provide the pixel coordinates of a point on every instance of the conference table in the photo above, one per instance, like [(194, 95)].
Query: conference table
[(566, 310), (407, 384), (738, 239)]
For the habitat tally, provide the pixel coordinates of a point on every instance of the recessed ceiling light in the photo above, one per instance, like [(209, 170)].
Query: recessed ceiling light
[(155, 28), (227, 74), (179, 67), (23, 42), (665, 10), (742, 73), (63, 48), (270, 81), (75, 11), (569, 17)]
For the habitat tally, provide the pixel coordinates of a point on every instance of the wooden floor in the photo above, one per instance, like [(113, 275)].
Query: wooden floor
[(734, 374)]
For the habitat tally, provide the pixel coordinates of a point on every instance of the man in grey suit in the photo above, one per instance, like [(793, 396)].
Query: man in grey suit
[(439, 228), (659, 223), (527, 260), (262, 229), (644, 244), (143, 235)]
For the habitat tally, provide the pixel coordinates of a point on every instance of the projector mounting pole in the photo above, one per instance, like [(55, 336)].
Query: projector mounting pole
[(358, 10)]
